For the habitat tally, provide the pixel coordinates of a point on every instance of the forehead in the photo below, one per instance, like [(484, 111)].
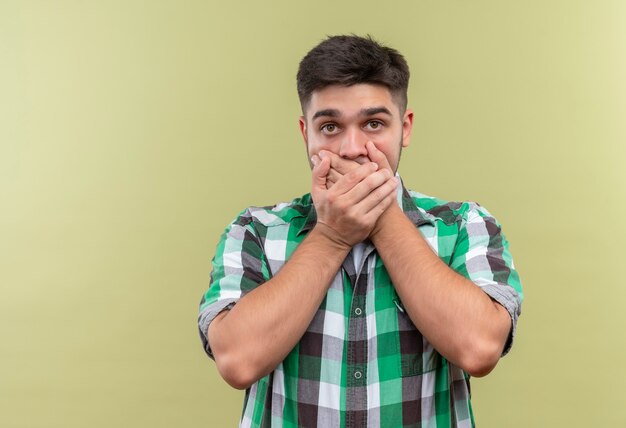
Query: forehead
[(349, 100)]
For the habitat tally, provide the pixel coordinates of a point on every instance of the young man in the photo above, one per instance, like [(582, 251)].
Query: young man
[(361, 303)]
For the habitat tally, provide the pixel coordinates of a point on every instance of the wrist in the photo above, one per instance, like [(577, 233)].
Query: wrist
[(329, 238), (387, 220)]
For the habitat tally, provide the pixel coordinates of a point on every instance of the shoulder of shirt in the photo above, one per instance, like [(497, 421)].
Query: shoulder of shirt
[(279, 214), (448, 212)]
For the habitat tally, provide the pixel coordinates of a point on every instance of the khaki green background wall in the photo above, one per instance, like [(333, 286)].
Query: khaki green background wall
[(132, 132)]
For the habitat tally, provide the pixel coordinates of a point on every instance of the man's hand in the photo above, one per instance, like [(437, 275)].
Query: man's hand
[(339, 167), (347, 209)]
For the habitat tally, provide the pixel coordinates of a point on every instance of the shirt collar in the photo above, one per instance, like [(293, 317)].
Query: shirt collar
[(410, 208), (404, 200)]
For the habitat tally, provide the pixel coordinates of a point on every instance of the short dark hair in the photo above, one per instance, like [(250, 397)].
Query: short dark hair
[(350, 60)]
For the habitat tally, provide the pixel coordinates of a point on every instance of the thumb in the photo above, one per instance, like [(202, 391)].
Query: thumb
[(320, 171)]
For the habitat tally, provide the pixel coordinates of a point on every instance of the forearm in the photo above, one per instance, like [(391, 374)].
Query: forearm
[(252, 338), (454, 314)]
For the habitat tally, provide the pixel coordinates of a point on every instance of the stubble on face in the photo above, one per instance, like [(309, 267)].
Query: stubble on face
[(362, 103)]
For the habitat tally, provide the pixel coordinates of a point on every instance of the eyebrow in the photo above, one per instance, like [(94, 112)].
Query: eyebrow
[(374, 110), (331, 112)]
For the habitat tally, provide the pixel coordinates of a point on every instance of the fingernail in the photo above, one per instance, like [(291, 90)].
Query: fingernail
[(315, 160), (323, 154)]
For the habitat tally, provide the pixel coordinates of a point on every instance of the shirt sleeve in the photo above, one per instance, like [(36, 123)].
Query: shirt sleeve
[(238, 267), (482, 255)]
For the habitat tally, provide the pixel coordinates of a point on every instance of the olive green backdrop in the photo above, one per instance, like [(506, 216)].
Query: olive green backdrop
[(132, 132)]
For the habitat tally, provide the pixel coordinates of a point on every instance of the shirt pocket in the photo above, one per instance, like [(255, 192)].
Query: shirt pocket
[(417, 355)]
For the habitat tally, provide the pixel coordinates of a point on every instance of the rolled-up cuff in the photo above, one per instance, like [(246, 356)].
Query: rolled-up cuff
[(509, 298), (208, 315)]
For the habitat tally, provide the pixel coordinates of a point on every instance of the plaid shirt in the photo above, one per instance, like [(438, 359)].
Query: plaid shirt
[(361, 361)]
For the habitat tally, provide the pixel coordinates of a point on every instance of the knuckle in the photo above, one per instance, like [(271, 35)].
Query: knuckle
[(385, 175), (373, 179), (361, 222)]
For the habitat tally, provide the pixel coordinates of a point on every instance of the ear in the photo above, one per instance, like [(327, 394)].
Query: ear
[(407, 127), (302, 122)]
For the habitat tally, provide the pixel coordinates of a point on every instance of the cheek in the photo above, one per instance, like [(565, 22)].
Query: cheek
[(312, 148), (386, 148), (316, 143), (391, 151)]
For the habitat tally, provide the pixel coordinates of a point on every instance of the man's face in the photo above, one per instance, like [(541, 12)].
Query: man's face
[(342, 119)]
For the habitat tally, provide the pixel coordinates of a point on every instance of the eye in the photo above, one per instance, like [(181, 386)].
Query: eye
[(374, 124), (329, 128)]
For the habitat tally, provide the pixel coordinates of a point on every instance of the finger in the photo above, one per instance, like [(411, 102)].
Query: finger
[(368, 185), (343, 166), (319, 172), (348, 181), (333, 176), (376, 210), (377, 156), (387, 188)]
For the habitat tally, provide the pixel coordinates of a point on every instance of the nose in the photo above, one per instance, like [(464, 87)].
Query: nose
[(353, 145)]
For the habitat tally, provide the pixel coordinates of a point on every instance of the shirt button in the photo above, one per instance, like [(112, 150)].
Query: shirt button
[(358, 311), (357, 375)]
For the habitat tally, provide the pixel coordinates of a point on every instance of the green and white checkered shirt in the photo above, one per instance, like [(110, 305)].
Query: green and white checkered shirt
[(361, 362)]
